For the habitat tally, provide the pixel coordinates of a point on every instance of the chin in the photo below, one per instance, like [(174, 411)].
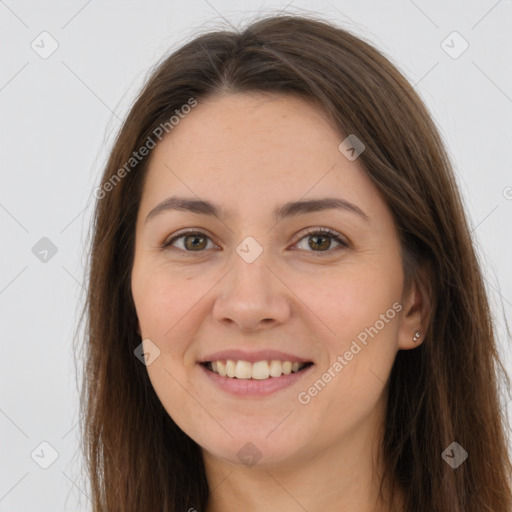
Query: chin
[(256, 447)]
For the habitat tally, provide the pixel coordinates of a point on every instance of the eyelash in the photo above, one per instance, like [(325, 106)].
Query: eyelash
[(333, 235)]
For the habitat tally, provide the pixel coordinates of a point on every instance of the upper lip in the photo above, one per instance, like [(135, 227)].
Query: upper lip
[(254, 356)]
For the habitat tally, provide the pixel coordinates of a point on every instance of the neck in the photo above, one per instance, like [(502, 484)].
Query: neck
[(343, 477)]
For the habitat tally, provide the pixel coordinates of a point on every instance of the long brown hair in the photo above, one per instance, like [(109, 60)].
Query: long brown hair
[(445, 390)]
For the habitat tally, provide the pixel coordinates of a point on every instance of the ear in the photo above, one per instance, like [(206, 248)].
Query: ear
[(417, 310)]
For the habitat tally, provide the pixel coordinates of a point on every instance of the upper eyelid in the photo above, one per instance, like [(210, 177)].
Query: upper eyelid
[(309, 232)]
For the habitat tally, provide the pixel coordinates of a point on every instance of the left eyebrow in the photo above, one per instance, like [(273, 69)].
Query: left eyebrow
[(290, 209)]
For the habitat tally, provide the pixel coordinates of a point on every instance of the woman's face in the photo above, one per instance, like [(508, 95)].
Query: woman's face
[(257, 283)]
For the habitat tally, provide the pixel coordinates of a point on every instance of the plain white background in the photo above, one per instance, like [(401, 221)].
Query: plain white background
[(58, 118)]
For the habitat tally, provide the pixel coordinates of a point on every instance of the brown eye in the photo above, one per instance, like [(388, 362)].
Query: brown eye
[(193, 241), (320, 240)]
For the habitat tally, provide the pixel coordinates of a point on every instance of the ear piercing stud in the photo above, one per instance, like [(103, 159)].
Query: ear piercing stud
[(416, 336)]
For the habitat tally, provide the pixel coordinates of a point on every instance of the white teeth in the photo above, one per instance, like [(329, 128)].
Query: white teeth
[(243, 370), (276, 369), (221, 368), (259, 370), (287, 367), (230, 368)]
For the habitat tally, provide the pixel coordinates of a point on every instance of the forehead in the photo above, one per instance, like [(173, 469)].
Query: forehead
[(254, 150), (232, 127)]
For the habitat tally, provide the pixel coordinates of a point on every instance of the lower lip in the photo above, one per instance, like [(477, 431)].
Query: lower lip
[(253, 388)]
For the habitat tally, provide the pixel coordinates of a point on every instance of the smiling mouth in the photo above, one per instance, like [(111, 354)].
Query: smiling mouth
[(259, 370)]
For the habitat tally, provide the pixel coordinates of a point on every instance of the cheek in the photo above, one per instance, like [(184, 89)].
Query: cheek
[(160, 299), (170, 309), (356, 302), (164, 312), (362, 314)]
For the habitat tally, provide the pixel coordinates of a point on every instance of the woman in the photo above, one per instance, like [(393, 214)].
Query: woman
[(285, 309)]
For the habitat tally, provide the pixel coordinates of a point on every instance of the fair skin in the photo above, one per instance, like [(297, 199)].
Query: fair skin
[(250, 153)]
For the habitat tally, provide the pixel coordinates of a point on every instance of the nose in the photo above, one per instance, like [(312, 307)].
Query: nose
[(252, 296)]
